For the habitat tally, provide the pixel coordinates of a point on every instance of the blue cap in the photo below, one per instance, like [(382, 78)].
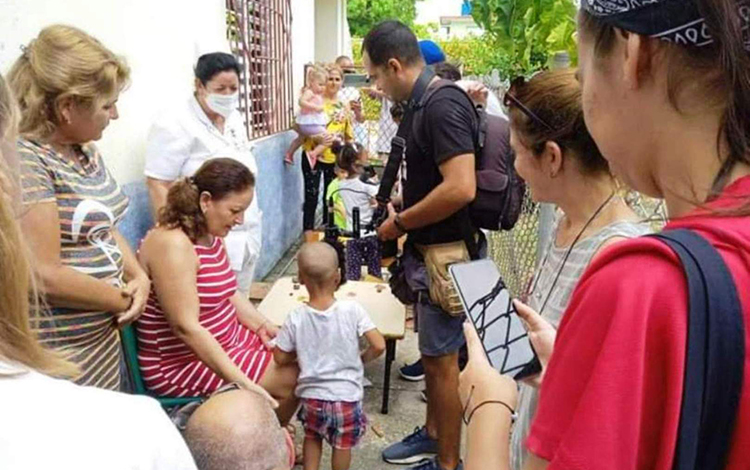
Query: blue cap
[(431, 52)]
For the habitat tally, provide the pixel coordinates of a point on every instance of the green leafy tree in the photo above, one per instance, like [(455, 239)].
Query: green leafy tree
[(477, 55), (425, 31), (530, 32), (364, 14)]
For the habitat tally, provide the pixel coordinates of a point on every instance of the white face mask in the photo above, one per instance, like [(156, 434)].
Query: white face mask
[(223, 104)]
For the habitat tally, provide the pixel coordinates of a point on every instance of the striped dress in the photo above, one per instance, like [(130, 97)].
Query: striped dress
[(89, 205), (168, 366)]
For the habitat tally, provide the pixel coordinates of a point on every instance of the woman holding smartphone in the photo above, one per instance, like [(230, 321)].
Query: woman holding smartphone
[(561, 165)]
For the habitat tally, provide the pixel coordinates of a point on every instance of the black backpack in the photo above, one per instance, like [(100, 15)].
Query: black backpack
[(500, 190)]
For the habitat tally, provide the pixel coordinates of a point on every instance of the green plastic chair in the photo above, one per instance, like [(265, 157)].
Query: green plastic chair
[(130, 346)]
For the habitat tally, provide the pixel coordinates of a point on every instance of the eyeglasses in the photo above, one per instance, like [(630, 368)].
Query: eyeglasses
[(510, 100)]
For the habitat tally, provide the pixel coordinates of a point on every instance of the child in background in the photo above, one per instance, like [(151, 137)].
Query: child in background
[(367, 175), (354, 192), (311, 120), (323, 337), (351, 191), (333, 199)]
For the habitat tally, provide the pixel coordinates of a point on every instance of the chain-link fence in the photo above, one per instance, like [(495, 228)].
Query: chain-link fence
[(378, 128), (518, 251)]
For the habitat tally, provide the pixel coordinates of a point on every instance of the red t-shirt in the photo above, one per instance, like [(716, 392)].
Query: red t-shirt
[(612, 392)]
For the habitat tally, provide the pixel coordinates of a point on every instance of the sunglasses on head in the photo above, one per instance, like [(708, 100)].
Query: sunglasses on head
[(510, 100)]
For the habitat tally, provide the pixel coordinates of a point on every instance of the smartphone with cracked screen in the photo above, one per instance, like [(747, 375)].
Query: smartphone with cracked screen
[(489, 307)]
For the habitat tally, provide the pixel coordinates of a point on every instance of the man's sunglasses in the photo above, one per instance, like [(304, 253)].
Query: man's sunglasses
[(510, 100)]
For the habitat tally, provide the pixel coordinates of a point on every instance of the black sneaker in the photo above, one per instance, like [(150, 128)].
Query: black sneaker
[(412, 372), (414, 448)]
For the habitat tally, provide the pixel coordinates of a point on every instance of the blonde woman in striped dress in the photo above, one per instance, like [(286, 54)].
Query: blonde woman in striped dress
[(67, 85)]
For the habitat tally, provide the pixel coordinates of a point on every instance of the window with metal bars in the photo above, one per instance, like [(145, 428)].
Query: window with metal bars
[(259, 33)]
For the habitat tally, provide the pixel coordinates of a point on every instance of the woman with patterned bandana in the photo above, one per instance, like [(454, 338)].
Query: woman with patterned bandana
[(666, 97)]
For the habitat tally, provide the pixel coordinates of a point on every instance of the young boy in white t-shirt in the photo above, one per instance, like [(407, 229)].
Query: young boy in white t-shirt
[(323, 337)]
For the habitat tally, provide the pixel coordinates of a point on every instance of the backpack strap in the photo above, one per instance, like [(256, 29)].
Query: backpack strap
[(715, 354), (398, 146), (468, 231)]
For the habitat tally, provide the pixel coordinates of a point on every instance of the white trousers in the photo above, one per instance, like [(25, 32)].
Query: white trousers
[(246, 273)]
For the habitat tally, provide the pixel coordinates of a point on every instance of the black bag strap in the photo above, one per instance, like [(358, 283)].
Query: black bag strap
[(715, 354), (468, 231), (398, 143), (418, 99)]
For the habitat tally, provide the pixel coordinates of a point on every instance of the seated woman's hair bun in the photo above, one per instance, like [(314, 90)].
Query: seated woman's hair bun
[(219, 177)]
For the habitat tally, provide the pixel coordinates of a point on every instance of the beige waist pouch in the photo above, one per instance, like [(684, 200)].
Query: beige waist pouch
[(437, 258)]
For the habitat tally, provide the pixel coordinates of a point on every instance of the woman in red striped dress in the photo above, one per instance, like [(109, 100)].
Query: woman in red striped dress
[(198, 332)]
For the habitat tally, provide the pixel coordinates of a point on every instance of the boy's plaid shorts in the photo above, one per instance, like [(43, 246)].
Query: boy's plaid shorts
[(341, 423)]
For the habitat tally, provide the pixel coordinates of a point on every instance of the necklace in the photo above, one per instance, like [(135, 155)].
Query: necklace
[(567, 254)]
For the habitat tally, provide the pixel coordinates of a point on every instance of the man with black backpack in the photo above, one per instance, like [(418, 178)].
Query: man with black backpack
[(439, 185)]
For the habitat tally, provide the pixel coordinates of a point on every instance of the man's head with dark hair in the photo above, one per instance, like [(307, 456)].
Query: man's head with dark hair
[(216, 62), (447, 71), (392, 58), (392, 40)]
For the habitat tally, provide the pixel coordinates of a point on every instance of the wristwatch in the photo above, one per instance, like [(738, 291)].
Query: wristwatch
[(399, 225)]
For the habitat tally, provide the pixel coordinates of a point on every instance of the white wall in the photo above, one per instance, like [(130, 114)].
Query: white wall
[(347, 41), (332, 37), (303, 40), (161, 41), (325, 32), (460, 29), (430, 11)]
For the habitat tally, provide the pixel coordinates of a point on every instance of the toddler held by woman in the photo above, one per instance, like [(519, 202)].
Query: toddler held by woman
[(311, 120)]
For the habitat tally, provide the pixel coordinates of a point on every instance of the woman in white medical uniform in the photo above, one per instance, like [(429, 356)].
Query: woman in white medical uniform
[(207, 126)]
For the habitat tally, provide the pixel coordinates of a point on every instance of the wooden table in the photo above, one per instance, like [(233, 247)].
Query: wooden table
[(388, 314)]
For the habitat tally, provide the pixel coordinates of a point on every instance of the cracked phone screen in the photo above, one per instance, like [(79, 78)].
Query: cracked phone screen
[(489, 306)]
